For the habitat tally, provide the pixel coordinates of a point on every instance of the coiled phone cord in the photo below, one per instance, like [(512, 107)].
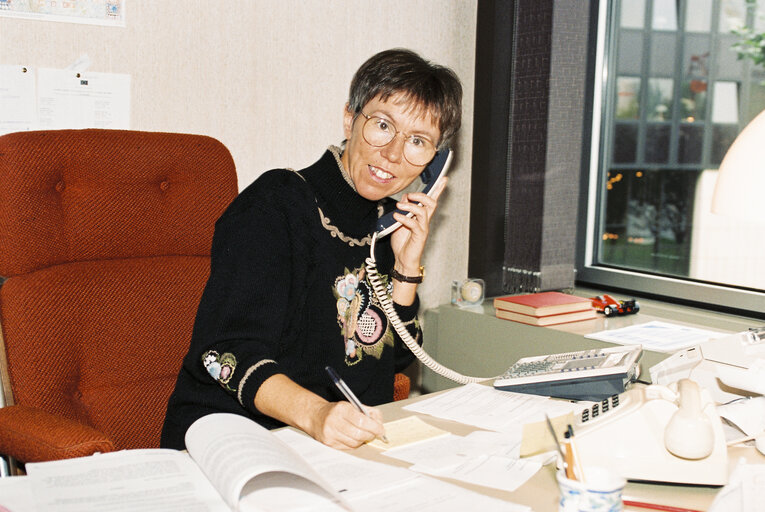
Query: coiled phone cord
[(386, 302)]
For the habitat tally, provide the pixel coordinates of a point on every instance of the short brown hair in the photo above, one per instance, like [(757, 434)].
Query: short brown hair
[(436, 88)]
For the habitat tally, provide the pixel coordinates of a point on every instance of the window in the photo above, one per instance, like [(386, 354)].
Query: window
[(670, 96)]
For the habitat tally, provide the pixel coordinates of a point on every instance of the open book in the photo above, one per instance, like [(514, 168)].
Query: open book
[(234, 464)]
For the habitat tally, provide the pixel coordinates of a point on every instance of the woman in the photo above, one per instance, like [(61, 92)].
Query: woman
[(288, 292)]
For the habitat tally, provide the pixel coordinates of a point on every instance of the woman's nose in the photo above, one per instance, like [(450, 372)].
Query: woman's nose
[(394, 150)]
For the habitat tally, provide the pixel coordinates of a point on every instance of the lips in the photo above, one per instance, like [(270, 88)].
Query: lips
[(380, 175)]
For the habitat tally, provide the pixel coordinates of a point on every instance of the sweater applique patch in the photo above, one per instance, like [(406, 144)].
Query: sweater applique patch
[(362, 322), (220, 367)]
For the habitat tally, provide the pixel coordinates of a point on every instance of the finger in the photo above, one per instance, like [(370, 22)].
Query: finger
[(359, 427)]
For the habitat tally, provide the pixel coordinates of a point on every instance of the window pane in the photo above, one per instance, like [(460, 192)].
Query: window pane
[(630, 54), (627, 97), (625, 143), (632, 14), (698, 16), (657, 143), (647, 226), (672, 120), (664, 15), (732, 15), (660, 99), (722, 138), (691, 144)]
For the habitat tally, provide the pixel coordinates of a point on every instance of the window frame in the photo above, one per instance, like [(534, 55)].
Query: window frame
[(732, 299)]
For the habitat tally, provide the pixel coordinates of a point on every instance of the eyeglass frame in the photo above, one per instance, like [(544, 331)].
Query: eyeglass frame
[(396, 131)]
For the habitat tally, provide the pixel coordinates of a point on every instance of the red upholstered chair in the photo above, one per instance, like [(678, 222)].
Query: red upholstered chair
[(401, 386), (104, 251)]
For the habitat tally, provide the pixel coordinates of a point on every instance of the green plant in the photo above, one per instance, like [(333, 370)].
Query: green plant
[(752, 43)]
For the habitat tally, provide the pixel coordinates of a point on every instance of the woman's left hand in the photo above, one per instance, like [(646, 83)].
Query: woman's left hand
[(408, 242)]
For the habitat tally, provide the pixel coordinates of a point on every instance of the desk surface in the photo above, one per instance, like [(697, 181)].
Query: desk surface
[(541, 492), (475, 342)]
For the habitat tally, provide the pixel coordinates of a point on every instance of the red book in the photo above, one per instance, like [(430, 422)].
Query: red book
[(543, 303), (563, 318)]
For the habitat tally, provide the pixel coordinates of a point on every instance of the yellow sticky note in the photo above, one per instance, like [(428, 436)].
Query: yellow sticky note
[(407, 431)]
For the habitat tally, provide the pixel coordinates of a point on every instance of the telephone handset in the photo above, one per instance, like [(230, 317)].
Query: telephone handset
[(656, 433), (432, 174)]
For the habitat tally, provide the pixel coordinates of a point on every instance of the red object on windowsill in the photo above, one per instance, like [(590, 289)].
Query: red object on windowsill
[(609, 306)]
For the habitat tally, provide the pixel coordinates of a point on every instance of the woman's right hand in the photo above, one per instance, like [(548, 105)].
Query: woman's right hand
[(336, 424), (340, 425)]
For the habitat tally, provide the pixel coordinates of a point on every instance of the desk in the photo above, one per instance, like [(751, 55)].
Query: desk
[(477, 343), (541, 491)]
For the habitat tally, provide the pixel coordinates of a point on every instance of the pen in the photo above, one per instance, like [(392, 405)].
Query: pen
[(348, 394), (574, 454)]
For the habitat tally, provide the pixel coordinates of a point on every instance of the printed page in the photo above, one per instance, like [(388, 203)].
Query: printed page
[(492, 409), (129, 481), (17, 99), (349, 475), (242, 458), (376, 487), (16, 494), (657, 336)]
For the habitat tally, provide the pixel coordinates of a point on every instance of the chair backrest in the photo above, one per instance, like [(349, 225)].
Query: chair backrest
[(104, 247)]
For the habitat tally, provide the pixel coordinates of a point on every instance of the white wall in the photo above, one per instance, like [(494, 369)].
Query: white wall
[(269, 78)]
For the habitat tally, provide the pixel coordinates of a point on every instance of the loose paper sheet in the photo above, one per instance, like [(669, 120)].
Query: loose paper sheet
[(493, 409), (657, 336)]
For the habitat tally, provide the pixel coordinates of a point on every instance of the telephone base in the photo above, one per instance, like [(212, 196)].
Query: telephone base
[(629, 440), (593, 389)]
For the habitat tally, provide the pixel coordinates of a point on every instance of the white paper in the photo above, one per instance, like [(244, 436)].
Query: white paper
[(657, 336), (491, 459), (492, 409), (494, 471), (130, 481), (17, 99), (16, 494), (90, 12), (69, 99), (425, 494), (375, 487), (745, 491), (234, 451)]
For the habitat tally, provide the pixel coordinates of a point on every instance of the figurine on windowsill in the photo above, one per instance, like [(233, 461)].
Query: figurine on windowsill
[(609, 306)]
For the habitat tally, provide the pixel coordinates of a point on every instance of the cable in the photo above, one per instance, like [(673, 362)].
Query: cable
[(387, 305)]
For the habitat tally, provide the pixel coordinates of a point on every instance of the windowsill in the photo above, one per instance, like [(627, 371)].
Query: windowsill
[(473, 341)]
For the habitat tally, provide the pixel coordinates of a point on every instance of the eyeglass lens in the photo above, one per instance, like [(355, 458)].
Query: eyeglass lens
[(379, 132)]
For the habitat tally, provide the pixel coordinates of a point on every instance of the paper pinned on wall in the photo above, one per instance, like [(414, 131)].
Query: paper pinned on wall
[(17, 99), (68, 99), (90, 12)]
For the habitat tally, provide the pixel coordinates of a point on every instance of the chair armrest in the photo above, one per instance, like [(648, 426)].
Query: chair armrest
[(29, 434)]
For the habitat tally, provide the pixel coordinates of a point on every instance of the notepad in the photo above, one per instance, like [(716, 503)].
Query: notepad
[(407, 431)]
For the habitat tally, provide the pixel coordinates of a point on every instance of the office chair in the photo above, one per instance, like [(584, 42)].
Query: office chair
[(104, 251)]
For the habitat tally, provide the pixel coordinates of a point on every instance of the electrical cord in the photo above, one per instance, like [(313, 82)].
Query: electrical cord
[(386, 302)]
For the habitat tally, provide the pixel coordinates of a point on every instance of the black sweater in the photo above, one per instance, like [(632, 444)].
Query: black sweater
[(287, 274)]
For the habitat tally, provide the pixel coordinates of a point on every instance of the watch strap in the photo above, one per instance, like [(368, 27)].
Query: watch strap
[(407, 279)]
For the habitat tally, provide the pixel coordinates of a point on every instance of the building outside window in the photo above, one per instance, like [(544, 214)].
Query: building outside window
[(670, 96)]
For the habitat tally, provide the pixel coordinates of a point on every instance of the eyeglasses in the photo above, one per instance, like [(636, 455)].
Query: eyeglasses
[(379, 132)]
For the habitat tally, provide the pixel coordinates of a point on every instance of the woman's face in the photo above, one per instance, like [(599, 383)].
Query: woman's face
[(379, 172)]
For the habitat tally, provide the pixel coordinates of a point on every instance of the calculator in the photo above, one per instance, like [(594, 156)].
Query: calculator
[(594, 374)]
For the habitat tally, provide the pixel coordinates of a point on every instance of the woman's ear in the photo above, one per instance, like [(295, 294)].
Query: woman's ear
[(347, 121)]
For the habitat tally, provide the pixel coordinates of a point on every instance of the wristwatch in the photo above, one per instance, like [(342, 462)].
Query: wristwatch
[(407, 279)]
